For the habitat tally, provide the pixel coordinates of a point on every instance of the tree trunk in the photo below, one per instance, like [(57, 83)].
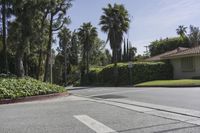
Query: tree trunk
[(26, 64), (20, 55), (5, 65), (87, 65), (112, 58), (115, 67), (83, 69), (19, 62), (48, 51), (65, 66), (39, 64), (41, 49)]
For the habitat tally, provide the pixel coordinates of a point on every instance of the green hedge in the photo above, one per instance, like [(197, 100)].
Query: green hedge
[(12, 88), (141, 72)]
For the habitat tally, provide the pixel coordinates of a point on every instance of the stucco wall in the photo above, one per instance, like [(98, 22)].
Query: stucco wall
[(179, 74)]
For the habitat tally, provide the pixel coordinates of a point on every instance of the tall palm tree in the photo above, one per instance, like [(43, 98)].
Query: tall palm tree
[(87, 34), (194, 36), (115, 22), (181, 30), (64, 43)]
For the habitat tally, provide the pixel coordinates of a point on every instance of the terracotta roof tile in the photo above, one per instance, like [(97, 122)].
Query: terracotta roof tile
[(166, 54), (185, 53)]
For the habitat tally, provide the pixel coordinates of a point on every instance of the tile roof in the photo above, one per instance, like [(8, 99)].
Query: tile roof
[(184, 53), (166, 54)]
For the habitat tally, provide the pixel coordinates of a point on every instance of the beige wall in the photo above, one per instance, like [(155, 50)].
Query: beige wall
[(178, 74)]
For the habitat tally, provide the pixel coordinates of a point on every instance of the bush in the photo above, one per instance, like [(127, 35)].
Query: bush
[(148, 71), (12, 88), (141, 72), (196, 77), (93, 75)]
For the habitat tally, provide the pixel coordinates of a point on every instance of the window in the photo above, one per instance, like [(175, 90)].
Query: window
[(187, 64)]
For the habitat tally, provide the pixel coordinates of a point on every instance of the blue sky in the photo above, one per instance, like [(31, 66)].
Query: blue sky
[(150, 19)]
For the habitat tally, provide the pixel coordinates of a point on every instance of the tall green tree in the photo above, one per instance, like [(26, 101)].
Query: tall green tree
[(108, 57), (57, 11), (24, 12), (74, 48), (65, 45), (127, 49), (182, 30), (124, 51), (194, 36), (163, 45), (97, 56), (87, 34), (6, 12), (115, 22), (132, 53), (40, 35)]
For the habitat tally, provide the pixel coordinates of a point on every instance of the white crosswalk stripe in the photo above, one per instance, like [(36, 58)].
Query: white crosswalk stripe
[(94, 124)]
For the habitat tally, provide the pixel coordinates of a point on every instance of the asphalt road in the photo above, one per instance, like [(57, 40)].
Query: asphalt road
[(78, 115), (177, 97)]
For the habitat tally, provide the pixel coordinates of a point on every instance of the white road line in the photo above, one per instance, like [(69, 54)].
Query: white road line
[(122, 92), (94, 125), (177, 110), (184, 115)]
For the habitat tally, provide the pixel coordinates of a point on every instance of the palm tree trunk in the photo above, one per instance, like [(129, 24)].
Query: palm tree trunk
[(115, 67), (87, 66), (87, 63), (83, 67), (4, 36), (48, 50)]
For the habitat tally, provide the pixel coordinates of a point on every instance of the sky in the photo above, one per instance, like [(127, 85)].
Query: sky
[(150, 19)]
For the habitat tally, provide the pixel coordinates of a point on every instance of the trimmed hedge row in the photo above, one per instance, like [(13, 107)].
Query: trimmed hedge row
[(141, 72)]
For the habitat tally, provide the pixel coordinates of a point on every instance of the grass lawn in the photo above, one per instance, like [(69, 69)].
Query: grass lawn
[(171, 83)]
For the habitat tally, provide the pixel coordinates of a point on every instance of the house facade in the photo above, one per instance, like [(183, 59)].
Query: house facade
[(185, 61)]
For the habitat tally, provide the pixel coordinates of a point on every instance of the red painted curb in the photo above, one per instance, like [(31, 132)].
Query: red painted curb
[(33, 98)]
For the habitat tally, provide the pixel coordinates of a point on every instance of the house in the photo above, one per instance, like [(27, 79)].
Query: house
[(185, 61)]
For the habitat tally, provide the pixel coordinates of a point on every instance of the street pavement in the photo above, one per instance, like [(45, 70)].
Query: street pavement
[(107, 110), (177, 97)]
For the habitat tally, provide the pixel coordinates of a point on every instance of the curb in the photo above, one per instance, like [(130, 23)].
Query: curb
[(33, 98)]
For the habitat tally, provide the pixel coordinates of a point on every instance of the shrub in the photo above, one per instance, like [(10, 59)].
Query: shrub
[(148, 71), (12, 88), (93, 75), (141, 72)]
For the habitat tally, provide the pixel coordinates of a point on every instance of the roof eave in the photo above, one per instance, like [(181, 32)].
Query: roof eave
[(180, 56)]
